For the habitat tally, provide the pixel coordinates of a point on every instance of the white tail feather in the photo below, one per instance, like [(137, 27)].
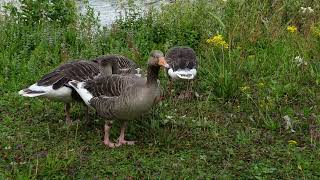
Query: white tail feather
[(61, 94), (26, 94), (185, 76), (182, 73), (84, 93)]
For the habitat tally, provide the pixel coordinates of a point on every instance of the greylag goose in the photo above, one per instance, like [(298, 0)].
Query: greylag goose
[(122, 98), (54, 85), (183, 65)]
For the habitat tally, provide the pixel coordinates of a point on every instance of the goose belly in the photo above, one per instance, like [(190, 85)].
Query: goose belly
[(137, 105), (62, 94)]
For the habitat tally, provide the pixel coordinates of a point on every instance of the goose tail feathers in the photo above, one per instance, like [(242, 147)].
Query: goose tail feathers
[(84, 93), (183, 73), (33, 91), (30, 93)]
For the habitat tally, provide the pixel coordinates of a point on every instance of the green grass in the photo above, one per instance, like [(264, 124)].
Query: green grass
[(234, 130)]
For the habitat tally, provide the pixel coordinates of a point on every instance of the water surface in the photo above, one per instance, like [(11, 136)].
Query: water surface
[(109, 10)]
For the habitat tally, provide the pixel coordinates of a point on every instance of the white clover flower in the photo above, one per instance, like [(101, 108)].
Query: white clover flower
[(310, 10), (300, 61)]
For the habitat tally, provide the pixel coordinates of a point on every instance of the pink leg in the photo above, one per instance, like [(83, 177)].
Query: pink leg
[(106, 141), (67, 111), (121, 137)]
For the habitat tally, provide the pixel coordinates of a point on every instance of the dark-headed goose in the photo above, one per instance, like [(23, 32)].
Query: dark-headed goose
[(183, 65)]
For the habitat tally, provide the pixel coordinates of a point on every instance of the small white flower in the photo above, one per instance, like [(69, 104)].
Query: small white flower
[(7, 147), (300, 61), (288, 123), (310, 10), (169, 117), (203, 157), (307, 10)]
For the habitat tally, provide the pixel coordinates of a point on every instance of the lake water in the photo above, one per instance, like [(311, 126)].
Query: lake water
[(109, 10)]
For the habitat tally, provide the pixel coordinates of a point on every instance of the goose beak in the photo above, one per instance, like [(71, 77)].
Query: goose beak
[(163, 62)]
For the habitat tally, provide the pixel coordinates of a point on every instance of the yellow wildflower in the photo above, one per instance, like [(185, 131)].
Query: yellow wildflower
[(218, 41), (292, 142), (261, 84), (292, 29)]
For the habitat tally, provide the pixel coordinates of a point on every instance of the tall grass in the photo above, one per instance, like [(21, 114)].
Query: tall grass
[(261, 50)]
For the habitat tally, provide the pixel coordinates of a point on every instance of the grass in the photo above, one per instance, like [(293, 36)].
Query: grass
[(234, 130)]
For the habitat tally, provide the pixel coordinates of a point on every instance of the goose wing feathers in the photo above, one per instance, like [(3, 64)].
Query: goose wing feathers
[(108, 104), (113, 85), (181, 58), (76, 70), (125, 65)]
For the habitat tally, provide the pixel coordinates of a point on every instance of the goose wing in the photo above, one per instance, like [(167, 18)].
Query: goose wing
[(104, 105), (125, 65), (76, 70), (113, 85)]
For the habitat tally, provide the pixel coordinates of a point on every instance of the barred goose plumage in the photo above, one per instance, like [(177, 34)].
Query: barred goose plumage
[(122, 98), (183, 65), (125, 66), (54, 85)]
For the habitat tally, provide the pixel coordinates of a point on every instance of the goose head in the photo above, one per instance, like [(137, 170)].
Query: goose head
[(157, 59), (107, 65)]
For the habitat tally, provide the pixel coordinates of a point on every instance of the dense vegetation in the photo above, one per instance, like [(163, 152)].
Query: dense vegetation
[(258, 62)]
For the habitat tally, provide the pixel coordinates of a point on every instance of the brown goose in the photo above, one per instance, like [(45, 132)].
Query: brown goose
[(183, 65), (55, 84), (122, 98)]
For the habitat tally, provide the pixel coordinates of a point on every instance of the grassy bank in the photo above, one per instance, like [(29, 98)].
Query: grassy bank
[(258, 62)]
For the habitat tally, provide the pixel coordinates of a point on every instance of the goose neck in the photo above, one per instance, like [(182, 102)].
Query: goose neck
[(152, 74)]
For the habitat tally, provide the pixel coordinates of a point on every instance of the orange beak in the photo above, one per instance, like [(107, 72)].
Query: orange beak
[(163, 62)]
